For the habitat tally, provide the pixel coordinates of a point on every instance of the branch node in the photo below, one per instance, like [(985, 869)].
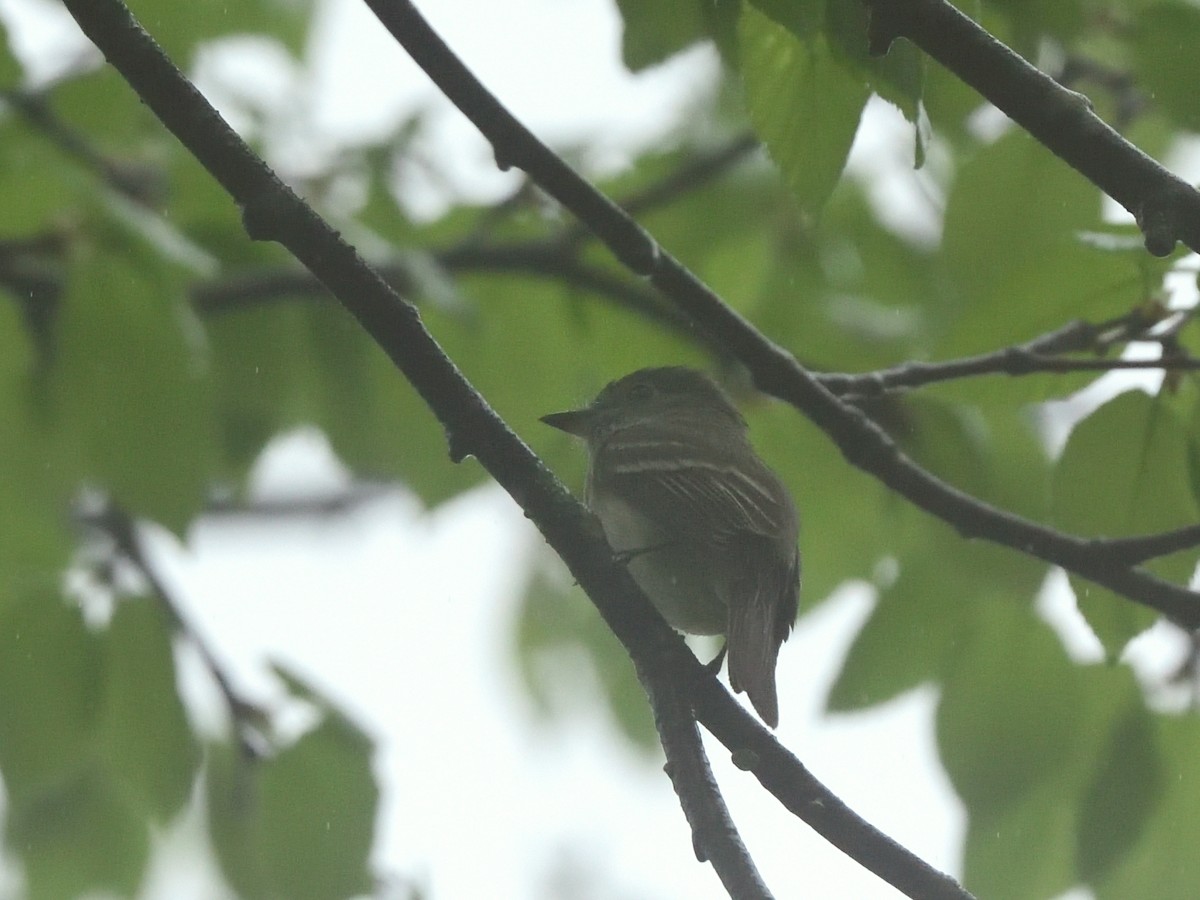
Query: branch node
[(1158, 219), (1019, 361), (266, 214), (457, 446), (643, 255), (745, 759), (883, 27)]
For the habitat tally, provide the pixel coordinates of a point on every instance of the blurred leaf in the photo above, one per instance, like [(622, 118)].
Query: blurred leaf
[(259, 359), (1033, 20), (319, 800), (916, 622), (850, 295), (1017, 274), (299, 824), (1125, 472), (181, 28), (802, 103), (657, 29), (130, 387), (51, 684), (1000, 733), (1164, 38), (11, 72), (147, 739), (48, 183), (102, 109), (33, 497), (920, 617), (1125, 793), (79, 838), (1162, 861), (803, 18), (234, 820), (897, 77), (1021, 731)]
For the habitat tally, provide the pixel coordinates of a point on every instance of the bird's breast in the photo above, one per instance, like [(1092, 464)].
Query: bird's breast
[(675, 574)]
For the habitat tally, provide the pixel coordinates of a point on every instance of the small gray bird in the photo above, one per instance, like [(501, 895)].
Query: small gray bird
[(708, 530)]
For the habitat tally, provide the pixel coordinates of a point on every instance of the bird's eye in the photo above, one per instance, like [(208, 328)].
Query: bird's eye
[(641, 392)]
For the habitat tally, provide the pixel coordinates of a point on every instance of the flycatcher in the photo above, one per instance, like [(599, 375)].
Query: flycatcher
[(708, 530)]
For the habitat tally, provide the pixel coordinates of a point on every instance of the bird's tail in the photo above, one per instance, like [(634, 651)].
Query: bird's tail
[(753, 649)]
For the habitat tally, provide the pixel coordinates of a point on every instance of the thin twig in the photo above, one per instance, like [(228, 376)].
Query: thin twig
[(139, 183), (1134, 551), (247, 717)]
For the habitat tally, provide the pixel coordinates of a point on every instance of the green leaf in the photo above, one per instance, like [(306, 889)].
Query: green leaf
[(1162, 861), (232, 798), (1034, 20), (49, 184), (146, 738), (916, 622), (299, 824), (180, 28), (1012, 248), (78, 839), (1020, 730), (1125, 793), (803, 104), (1000, 732), (130, 387), (1164, 38), (657, 29), (803, 18), (35, 488), (319, 800), (50, 691), (943, 582), (259, 363), (1125, 472), (11, 73), (898, 77), (850, 295)]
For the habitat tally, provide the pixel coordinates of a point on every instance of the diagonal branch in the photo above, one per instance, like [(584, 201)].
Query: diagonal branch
[(272, 211), (1166, 207), (714, 836)]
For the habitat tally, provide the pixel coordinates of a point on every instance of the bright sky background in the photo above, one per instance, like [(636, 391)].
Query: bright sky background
[(405, 618)]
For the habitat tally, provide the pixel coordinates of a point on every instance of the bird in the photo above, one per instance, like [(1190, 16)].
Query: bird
[(708, 531)]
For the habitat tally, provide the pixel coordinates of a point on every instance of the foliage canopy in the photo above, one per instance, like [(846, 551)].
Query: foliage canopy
[(149, 350)]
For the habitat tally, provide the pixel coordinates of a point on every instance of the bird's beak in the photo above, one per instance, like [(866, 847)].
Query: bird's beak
[(573, 422)]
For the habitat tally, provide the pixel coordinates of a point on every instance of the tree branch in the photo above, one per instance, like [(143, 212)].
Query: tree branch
[(272, 211), (714, 836), (1166, 207), (1041, 354)]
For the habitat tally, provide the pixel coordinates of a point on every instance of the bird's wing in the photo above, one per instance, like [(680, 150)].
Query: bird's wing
[(697, 489)]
